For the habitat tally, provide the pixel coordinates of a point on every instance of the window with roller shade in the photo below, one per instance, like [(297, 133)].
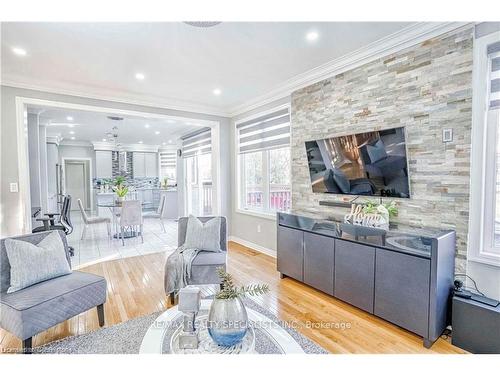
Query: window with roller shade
[(484, 224), (197, 156), (492, 212), (263, 146), (168, 167)]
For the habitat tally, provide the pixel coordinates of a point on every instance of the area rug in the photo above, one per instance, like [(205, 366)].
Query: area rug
[(126, 338)]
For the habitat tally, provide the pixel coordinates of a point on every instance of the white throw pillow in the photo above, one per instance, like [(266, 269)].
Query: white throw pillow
[(203, 236), (31, 264)]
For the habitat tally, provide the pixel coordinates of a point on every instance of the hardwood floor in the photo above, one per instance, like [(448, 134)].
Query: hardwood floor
[(135, 288)]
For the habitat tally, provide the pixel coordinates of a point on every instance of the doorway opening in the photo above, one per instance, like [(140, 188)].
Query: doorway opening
[(77, 182)]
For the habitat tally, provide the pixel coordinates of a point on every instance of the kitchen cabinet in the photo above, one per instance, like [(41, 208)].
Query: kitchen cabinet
[(151, 164), (319, 258), (401, 287), (103, 164), (291, 257), (145, 164), (355, 274), (138, 164)]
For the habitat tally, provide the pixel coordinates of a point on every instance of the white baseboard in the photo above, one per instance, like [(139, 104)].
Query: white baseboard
[(253, 246)]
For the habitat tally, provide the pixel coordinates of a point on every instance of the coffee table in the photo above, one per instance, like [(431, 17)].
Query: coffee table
[(265, 336)]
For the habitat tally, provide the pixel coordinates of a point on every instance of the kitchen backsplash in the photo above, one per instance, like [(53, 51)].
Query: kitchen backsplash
[(115, 166), (137, 183)]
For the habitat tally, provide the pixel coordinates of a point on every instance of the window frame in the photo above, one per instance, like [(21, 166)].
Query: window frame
[(483, 169), (167, 151), (239, 175)]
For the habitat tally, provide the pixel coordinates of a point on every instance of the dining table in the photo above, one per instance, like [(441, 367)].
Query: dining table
[(115, 209)]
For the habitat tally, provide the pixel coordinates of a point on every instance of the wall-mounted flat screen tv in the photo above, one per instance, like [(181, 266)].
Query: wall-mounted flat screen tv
[(372, 163)]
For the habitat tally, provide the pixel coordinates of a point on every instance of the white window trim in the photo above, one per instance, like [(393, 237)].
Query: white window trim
[(479, 187), (238, 178)]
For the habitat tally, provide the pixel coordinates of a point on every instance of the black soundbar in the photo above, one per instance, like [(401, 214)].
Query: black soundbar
[(335, 204)]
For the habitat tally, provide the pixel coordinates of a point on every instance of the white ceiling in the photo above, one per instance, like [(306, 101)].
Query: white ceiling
[(91, 126), (182, 64)]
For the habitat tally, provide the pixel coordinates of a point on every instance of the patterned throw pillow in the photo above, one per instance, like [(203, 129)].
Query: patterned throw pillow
[(31, 264), (203, 236)]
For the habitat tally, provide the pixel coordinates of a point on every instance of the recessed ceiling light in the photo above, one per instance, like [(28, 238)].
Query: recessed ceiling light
[(169, 141), (164, 143), (140, 142), (217, 92), (71, 125), (312, 36), (147, 126), (19, 51), (157, 132), (71, 132), (72, 138), (69, 118), (140, 76), (104, 139)]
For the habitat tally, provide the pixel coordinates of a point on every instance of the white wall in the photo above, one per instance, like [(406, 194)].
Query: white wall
[(11, 205), (34, 159), (43, 168), (68, 152), (245, 226), (52, 161)]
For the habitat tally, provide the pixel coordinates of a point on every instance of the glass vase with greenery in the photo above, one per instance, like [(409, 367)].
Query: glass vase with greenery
[(227, 318)]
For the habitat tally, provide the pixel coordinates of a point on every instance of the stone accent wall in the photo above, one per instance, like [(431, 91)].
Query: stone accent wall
[(425, 88)]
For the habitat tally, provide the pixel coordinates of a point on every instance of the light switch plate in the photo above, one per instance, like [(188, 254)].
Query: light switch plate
[(14, 188)]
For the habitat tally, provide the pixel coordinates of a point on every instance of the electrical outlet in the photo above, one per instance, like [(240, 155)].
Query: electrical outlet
[(258, 228)]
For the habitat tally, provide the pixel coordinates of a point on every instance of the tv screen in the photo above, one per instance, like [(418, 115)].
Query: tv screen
[(372, 163)]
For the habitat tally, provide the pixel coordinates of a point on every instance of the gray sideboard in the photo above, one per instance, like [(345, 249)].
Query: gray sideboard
[(403, 275)]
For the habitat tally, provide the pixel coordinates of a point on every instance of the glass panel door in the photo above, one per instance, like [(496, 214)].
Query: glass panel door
[(199, 185)]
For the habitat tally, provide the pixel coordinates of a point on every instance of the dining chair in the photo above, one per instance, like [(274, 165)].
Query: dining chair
[(131, 217), (160, 212), (92, 220)]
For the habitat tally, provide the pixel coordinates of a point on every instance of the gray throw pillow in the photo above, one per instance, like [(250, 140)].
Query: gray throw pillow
[(203, 236), (376, 151), (341, 181), (31, 264)]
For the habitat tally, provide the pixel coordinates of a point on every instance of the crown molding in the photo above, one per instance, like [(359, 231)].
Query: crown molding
[(137, 147), (64, 142), (111, 96), (406, 37), (56, 139)]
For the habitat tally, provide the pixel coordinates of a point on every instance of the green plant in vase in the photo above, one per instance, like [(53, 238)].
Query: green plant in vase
[(119, 181), (387, 210), (120, 188), (228, 319)]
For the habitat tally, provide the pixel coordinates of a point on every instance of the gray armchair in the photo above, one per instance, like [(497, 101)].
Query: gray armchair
[(205, 264), (36, 308)]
